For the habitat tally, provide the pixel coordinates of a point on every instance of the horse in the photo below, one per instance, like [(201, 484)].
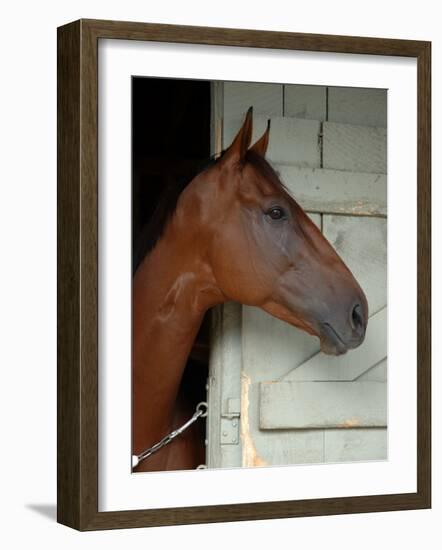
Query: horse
[(233, 232)]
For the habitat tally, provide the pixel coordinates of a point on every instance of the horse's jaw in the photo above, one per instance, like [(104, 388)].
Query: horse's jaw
[(331, 343)]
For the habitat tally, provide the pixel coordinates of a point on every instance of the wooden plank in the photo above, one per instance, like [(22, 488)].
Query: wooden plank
[(281, 447), (266, 99), (305, 101), (323, 367), (355, 445), (224, 382), (336, 192), (299, 405), (377, 373), (354, 148), (264, 447), (69, 196), (292, 140), (361, 106)]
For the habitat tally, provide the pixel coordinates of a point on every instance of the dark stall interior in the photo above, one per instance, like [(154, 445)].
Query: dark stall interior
[(170, 141)]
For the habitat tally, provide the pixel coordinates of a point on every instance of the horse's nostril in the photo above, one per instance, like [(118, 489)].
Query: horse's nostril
[(356, 317)]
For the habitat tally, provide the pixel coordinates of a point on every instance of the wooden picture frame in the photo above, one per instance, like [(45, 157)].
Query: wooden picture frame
[(78, 274)]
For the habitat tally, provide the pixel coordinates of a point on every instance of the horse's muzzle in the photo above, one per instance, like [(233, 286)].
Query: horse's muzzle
[(336, 340)]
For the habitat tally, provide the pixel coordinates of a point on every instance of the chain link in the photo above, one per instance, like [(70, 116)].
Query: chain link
[(200, 412)]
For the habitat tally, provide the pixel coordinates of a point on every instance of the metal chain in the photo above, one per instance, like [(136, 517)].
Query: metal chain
[(200, 412)]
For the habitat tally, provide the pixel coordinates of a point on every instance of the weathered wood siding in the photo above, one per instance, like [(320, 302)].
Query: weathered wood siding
[(298, 405), (354, 148)]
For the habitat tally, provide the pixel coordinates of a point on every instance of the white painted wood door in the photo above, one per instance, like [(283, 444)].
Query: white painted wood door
[(273, 397)]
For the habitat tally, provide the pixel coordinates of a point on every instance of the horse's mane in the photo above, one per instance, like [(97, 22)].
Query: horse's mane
[(267, 170), (166, 206)]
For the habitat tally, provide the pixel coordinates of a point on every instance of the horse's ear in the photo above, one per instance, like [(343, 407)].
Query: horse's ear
[(241, 143), (260, 147)]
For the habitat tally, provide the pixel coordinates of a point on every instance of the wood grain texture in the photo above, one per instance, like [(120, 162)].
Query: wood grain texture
[(355, 445), (336, 191), (424, 274), (377, 373), (266, 99), (68, 276), (360, 106), (77, 282), (77, 278), (224, 383), (305, 101), (355, 148), (307, 405), (188, 34)]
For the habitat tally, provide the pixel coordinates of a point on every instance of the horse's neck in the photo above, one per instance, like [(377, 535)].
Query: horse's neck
[(167, 313)]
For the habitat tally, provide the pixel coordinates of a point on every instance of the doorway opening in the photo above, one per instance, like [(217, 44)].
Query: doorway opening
[(170, 142)]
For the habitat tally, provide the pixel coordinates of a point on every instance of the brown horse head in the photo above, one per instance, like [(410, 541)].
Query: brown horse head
[(264, 250), (255, 245)]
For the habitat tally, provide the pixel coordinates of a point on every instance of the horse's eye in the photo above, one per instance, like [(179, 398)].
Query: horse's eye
[(276, 213)]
